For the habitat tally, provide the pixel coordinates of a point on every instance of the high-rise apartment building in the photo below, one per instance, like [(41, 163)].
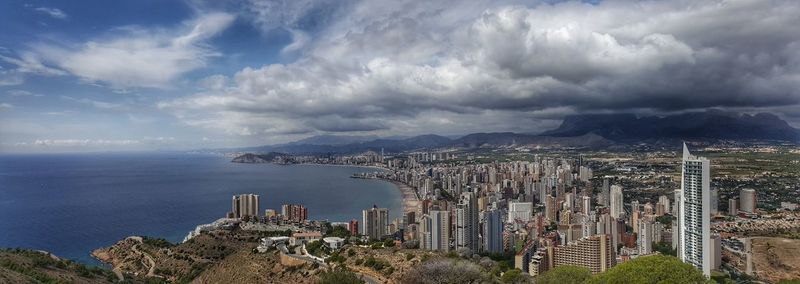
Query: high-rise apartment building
[(522, 211), (435, 231), (594, 253), (645, 237), (467, 223), (586, 204), (244, 205), (615, 201), (492, 231), (294, 212), (353, 226), (375, 222), (695, 225), (747, 200)]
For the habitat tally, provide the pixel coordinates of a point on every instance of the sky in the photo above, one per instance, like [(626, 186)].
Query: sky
[(123, 75)]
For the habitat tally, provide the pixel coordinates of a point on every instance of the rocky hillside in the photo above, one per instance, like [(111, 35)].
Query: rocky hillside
[(26, 266)]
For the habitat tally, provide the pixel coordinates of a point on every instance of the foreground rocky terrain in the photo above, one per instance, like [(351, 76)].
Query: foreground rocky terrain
[(25, 266)]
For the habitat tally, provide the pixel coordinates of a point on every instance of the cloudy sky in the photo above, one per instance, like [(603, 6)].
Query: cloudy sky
[(152, 74)]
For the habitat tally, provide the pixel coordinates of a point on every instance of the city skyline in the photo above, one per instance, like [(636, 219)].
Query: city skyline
[(155, 75)]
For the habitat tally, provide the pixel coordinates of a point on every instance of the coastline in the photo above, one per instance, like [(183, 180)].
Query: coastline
[(410, 201)]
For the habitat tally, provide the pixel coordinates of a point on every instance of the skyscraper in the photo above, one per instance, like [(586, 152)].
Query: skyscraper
[(695, 235), (374, 222), (747, 200), (294, 212), (615, 201), (586, 205), (493, 231), (244, 205), (467, 222), (435, 233), (645, 237), (733, 207), (714, 201), (353, 226)]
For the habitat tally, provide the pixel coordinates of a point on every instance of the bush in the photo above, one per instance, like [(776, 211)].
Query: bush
[(566, 274), (651, 269), (156, 242), (339, 276), (664, 248), (446, 271), (513, 276)]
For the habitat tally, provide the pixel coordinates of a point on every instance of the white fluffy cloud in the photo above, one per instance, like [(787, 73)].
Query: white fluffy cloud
[(52, 12), (387, 66), (140, 57)]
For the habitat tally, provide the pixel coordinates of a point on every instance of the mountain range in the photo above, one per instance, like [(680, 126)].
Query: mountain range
[(589, 130)]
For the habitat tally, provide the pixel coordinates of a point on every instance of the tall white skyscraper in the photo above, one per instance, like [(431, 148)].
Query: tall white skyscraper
[(695, 212), (616, 201), (467, 223)]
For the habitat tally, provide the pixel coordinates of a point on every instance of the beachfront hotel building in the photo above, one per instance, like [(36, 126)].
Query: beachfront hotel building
[(694, 215), (244, 205)]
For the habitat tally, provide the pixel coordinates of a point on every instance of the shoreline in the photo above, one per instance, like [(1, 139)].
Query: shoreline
[(409, 200)]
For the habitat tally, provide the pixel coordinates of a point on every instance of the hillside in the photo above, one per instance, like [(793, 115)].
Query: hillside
[(26, 266)]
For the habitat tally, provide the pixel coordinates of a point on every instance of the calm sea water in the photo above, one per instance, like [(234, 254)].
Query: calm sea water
[(72, 204)]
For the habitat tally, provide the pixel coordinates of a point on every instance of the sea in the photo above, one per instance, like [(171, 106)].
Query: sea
[(71, 204)]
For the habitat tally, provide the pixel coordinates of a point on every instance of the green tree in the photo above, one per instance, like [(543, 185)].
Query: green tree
[(664, 248), (512, 276), (565, 274), (338, 231), (651, 269)]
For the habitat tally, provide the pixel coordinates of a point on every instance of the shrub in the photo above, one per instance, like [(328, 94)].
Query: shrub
[(339, 276), (446, 271), (566, 274), (651, 269)]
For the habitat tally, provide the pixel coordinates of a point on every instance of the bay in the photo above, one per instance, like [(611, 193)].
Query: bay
[(70, 204)]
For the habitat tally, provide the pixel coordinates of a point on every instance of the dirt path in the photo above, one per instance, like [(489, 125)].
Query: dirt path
[(152, 269)]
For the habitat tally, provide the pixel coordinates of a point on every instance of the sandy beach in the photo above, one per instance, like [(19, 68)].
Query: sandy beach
[(410, 201)]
